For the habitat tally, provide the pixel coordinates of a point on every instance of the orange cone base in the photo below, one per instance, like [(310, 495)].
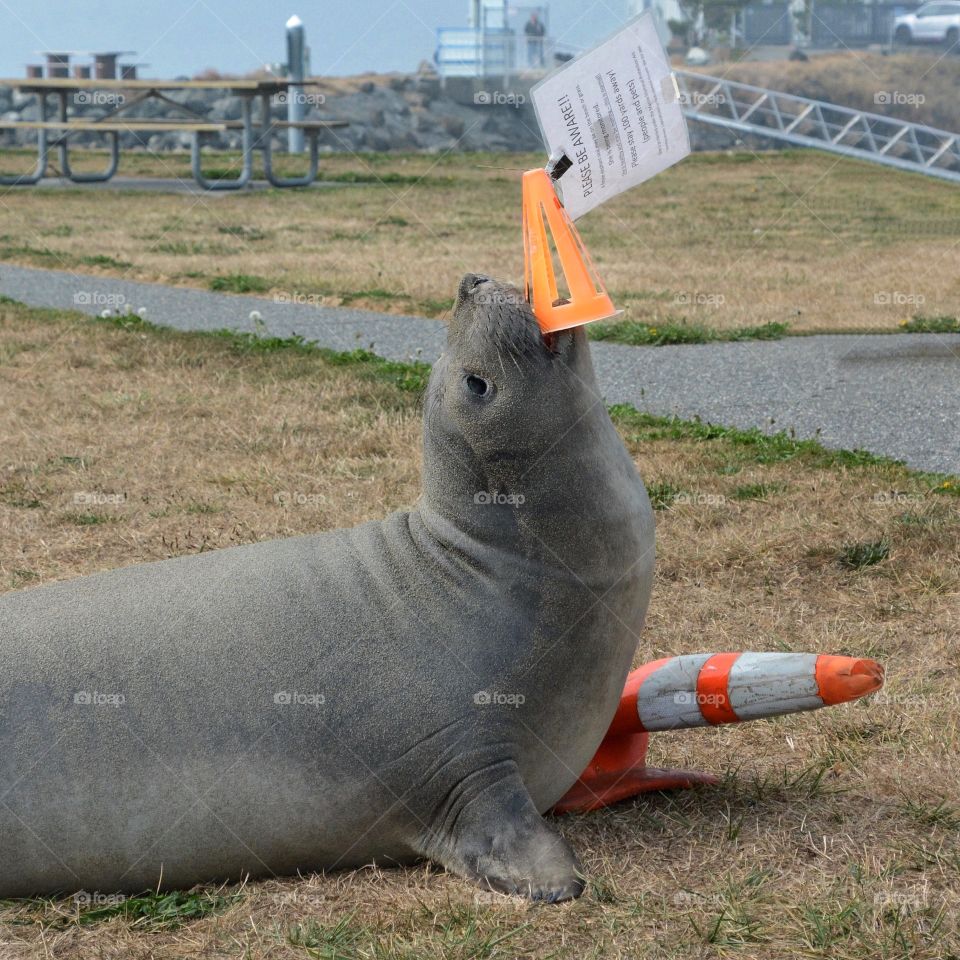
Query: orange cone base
[(618, 771)]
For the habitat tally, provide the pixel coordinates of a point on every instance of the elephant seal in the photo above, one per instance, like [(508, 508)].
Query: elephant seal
[(424, 686)]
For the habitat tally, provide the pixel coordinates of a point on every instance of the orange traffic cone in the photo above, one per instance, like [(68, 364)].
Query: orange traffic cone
[(700, 690), (588, 299)]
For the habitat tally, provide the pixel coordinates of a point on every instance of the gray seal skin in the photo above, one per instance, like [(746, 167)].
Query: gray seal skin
[(424, 686)]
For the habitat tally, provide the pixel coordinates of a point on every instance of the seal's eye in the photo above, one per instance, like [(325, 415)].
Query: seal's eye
[(478, 386)]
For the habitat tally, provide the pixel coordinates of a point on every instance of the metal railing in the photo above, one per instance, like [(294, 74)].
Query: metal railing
[(815, 123)]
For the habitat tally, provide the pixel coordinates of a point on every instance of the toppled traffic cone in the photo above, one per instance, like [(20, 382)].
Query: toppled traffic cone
[(588, 300), (699, 690)]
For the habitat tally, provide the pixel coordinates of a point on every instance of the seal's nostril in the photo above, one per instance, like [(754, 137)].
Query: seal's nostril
[(469, 284)]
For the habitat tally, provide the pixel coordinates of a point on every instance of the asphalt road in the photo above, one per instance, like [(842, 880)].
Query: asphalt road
[(897, 395)]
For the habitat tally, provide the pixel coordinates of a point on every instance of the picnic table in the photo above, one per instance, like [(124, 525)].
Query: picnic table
[(56, 132)]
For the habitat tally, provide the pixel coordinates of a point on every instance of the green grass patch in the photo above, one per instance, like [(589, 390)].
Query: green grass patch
[(375, 293), (202, 508), (222, 173), (922, 324), (939, 814), (757, 491), (648, 334), (662, 495), (20, 502), (240, 283), (942, 483), (182, 248), (438, 306), (856, 556), (673, 331), (87, 519), (244, 233), (102, 260), (458, 932), (411, 377), (48, 256), (764, 331), (21, 576), (388, 176), (160, 911), (753, 444), (24, 251)]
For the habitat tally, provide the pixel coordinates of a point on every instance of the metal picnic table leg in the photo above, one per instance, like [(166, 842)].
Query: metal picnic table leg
[(303, 181), (247, 169), (62, 144), (25, 179), (266, 147)]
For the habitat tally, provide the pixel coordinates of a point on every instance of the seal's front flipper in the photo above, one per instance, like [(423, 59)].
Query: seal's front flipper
[(494, 834)]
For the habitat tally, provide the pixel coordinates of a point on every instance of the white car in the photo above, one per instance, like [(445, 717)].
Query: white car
[(936, 22)]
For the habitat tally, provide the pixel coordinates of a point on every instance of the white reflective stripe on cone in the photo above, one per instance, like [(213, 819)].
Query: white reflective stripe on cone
[(770, 684), (667, 699)]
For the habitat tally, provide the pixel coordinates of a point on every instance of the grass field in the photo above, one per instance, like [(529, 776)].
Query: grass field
[(831, 835), (722, 245)]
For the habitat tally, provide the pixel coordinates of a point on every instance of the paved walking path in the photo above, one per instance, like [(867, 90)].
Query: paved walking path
[(897, 395)]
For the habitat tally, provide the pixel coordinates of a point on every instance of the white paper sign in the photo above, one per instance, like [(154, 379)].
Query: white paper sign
[(615, 113)]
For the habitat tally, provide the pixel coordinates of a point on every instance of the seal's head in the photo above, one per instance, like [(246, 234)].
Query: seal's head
[(503, 393), (501, 382)]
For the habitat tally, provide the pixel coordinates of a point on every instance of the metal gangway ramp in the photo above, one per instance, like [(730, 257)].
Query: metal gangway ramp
[(815, 123)]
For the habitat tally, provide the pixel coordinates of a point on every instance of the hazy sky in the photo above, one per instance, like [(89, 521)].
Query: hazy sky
[(186, 36)]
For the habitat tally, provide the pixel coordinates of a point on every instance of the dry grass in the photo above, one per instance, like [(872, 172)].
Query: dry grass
[(724, 241), (832, 835), (854, 78)]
